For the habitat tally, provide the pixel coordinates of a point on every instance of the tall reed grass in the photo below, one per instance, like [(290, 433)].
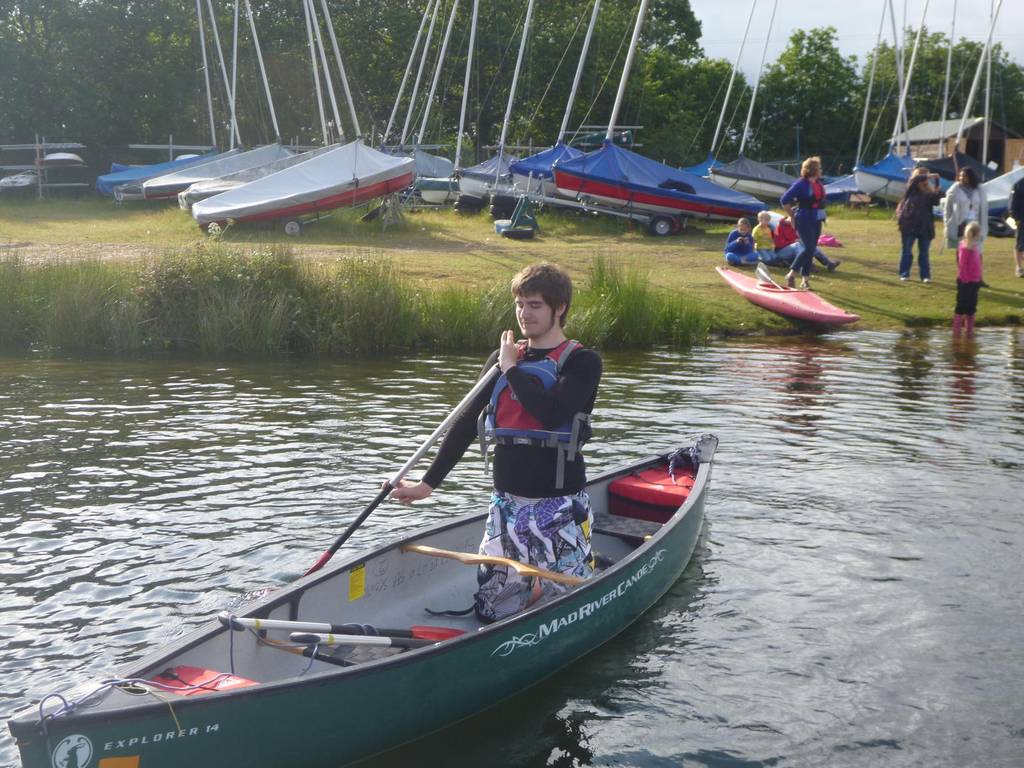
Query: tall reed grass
[(213, 299)]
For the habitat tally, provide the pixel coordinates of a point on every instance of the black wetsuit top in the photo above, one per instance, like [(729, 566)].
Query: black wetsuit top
[(527, 470)]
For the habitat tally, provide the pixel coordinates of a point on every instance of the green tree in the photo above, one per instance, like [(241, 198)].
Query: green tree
[(810, 95)]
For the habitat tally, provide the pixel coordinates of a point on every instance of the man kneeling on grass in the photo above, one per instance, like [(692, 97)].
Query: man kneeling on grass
[(537, 416)]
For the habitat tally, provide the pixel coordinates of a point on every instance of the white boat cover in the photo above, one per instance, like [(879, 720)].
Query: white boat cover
[(204, 189), (229, 162), (345, 175), (62, 158), (998, 191)]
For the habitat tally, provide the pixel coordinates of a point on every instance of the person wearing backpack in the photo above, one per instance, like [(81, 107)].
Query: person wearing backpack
[(916, 222), (537, 416)]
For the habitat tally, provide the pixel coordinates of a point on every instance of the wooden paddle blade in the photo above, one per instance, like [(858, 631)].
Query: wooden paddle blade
[(523, 569)]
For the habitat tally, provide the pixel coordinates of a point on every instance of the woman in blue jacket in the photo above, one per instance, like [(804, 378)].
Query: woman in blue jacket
[(805, 204)]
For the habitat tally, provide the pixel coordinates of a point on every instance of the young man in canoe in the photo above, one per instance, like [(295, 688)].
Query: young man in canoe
[(537, 416)]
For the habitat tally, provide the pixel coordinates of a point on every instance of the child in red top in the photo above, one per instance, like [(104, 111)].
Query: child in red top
[(968, 279)]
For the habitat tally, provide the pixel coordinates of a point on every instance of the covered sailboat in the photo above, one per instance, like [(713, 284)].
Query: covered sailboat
[(493, 175), (204, 189), (121, 174), (536, 172), (887, 179), (621, 178), (840, 189), (704, 167), (346, 175), (169, 185), (949, 167), (754, 178), (997, 191)]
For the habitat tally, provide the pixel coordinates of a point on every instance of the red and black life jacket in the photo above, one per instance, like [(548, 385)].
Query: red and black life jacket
[(506, 422)]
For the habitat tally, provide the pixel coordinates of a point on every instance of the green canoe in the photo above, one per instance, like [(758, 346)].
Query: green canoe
[(266, 697)]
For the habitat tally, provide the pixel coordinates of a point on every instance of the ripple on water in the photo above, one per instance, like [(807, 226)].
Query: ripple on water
[(855, 600)]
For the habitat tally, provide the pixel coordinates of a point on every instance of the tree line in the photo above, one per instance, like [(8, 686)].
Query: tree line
[(112, 72)]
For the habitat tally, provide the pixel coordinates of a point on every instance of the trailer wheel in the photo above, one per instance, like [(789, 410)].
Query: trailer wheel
[(292, 227), (662, 226)]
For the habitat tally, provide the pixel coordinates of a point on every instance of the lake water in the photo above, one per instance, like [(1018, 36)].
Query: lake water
[(855, 600)]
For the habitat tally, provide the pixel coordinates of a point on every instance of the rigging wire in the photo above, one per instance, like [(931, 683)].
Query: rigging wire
[(551, 80), (611, 67)]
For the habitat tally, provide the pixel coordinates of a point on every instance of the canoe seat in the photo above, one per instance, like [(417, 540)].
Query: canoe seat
[(652, 494)]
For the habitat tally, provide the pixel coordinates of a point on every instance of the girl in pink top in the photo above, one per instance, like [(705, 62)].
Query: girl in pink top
[(968, 279)]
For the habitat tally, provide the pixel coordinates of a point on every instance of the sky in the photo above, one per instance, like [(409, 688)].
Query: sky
[(723, 21)]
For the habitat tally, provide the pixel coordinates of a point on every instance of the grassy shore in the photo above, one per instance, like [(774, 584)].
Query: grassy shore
[(434, 250)]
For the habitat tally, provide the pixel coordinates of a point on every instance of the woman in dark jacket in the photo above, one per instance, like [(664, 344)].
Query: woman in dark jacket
[(804, 202), (916, 220)]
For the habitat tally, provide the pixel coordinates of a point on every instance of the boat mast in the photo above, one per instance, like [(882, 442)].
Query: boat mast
[(757, 82), (512, 91), (898, 53), (263, 71), (871, 84), (906, 83), (988, 96), (234, 67), (223, 68), (408, 69), (945, 95), (437, 71), (327, 70), (465, 86), (579, 72), (977, 74), (316, 74), (341, 69), (206, 73), (627, 67), (732, 78), (419, 73)]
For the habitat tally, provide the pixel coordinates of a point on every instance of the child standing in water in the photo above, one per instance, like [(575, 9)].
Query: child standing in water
[(968, 279)]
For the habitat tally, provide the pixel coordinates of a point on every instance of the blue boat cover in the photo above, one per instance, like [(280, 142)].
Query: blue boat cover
[(703, 168), (540, 164), (105, 184), (489, 168), (890, 167), (621, 166), (841, 187)]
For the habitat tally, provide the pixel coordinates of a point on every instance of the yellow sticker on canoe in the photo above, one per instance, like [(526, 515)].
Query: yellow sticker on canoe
[(356, 583)]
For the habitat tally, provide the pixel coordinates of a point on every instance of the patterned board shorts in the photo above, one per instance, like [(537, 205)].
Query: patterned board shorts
[(551, 533)]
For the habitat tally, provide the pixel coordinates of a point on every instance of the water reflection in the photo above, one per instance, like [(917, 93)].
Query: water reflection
[(868, 486), (963, 387), (914, 365)]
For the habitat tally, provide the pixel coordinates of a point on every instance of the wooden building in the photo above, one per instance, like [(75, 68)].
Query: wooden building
[(935, 139)]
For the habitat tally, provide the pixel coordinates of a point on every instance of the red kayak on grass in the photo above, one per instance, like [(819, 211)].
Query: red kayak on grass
[(788, 302)]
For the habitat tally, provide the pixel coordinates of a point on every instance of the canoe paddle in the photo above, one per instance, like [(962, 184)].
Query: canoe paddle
[(433, 634), (390, 485), (312, 638), (523, 569), (764, 275)]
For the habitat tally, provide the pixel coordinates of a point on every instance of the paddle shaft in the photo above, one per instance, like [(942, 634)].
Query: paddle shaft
[(422, 632), (484, 382), (313, 638)]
